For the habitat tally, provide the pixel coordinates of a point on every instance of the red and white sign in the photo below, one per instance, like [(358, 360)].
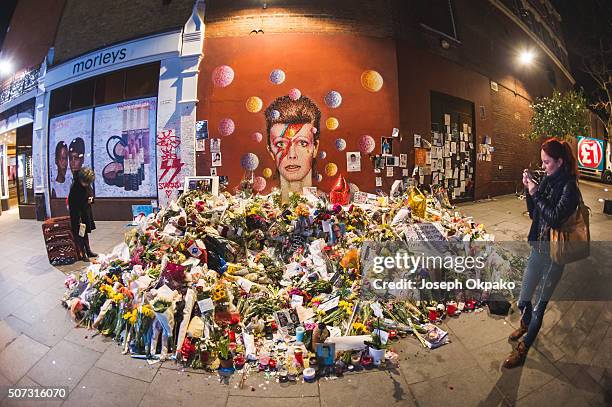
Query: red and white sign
[(590, 153)]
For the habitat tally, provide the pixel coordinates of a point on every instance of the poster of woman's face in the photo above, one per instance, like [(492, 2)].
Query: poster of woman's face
[(69, 149)]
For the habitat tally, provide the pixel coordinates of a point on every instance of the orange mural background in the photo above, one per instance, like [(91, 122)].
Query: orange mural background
[(316, 65)]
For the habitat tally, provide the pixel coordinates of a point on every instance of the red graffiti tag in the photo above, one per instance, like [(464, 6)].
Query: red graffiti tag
[(169, 143)]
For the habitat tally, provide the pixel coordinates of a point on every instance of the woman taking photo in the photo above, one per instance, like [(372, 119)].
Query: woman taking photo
[(550, 204), (79, 204)]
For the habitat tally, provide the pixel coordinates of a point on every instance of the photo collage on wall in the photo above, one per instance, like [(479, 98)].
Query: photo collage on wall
[(450, 160), (69, 149), (123, 154)]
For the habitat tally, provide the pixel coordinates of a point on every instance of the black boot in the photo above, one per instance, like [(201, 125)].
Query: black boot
[(88, 251)]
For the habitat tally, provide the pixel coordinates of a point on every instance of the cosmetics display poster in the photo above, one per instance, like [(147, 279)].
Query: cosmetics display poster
[(124, 149), (69, 149)]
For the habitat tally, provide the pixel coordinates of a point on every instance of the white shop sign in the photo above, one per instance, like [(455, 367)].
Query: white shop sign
[(109, 59)]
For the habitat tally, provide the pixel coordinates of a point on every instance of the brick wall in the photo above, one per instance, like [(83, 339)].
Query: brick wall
[(234, 18), (91, 24), (513, 152)]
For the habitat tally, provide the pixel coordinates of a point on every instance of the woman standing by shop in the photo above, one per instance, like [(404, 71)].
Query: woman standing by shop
[(79, 204), (550, 204)]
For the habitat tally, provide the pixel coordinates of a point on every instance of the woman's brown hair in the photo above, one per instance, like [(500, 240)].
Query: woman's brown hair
[(556, 149)]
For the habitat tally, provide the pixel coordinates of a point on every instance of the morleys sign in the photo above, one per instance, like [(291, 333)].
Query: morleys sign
[(591, 153), (140, 51), (103, 58)]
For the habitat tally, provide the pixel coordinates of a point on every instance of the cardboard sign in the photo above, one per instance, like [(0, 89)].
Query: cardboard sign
[(420, 156)]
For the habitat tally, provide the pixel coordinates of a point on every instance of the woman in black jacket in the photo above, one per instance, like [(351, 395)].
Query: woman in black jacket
[(550, 204), (80, 199)]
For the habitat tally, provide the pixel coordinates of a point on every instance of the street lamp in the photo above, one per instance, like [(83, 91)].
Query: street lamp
[(5, 67), (526, 57)]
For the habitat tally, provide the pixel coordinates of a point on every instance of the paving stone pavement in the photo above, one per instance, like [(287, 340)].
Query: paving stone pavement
[(569, 364)]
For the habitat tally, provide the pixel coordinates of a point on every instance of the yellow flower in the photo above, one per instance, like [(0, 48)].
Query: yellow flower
[(107, 290), (360, 328), (131, 316), (90, 276), (147, 311), (346, 306), (117, 297)]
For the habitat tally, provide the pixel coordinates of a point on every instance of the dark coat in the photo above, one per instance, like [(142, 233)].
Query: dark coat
[(554, 202), (80, 208)]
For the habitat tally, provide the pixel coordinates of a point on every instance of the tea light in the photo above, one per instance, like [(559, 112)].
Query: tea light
[(309, 375)]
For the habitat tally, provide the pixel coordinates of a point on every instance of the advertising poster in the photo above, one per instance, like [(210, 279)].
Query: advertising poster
[(124, 149), (69, 149)]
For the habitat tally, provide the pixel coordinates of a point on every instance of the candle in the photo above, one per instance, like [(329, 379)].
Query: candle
[(298, 356), (272, 364), (299, 333), (309, 375)]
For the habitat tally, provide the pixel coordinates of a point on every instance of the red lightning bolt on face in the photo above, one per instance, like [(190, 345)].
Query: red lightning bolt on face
[(289, 132)]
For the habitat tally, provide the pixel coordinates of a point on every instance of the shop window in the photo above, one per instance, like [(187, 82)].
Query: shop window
[(109, 88), (141, 81), (82, 94), (132, 83), (437, 15), (25, 173), (60, 101)]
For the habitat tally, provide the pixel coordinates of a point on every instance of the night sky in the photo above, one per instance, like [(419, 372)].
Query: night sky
[(584, 23)]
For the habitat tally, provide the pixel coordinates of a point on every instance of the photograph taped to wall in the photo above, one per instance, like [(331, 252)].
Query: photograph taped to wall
[(124, 149), (201, 128), (216, 159), (200, 145), (353, 161), (403, 160), (213, 172), (69, 149), (204, 184), (215, 145), (386, 146)]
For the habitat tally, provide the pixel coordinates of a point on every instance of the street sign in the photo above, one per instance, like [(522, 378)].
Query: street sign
[(591, 153)]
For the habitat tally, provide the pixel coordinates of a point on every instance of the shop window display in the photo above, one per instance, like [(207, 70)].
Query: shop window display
[(124, 149)]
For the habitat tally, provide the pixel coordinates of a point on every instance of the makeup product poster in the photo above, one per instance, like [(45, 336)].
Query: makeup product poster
[(124, 149), (69, 149)]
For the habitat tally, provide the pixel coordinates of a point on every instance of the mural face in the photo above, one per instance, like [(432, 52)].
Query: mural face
[(293, 140), (293, 148)]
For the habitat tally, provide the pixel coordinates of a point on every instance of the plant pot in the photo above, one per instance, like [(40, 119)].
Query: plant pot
[(378, 355), (205, 357), (227, 363)]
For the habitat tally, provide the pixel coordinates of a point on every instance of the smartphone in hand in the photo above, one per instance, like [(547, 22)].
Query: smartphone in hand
[(531, 177)]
